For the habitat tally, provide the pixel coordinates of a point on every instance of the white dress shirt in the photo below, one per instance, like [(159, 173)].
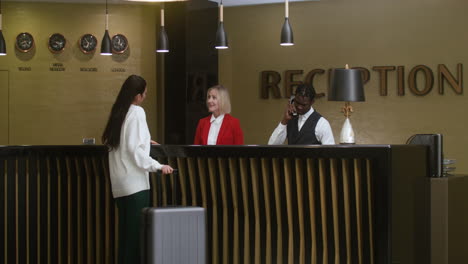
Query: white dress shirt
[(215, 126), (323, 131)]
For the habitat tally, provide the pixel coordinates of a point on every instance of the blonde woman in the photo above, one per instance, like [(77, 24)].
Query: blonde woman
[(219, 128)]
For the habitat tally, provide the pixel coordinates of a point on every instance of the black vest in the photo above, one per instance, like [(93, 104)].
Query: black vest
[(307, 134)]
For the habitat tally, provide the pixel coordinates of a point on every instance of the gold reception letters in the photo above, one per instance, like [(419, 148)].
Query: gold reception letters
[(420, 80)]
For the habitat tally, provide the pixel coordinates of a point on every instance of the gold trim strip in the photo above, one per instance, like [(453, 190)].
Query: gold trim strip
[(202, 174), (300, 208), (28, 230), (225, 223), (164, 197), (69, 211), (266, 196), (323, 209), (98, 210), (116, 232), (336, 231), (357, 186), (89, 220), (79, 221), (245, 190), (311, 188), (154, 191), (256, 204), (192, 172), (38, 226), (28, 240), (49, 257), (369, 200), (16, 212), (173, 180), (287, 186), (109, 203), (214, 200), (59, 208), (5, 213), (5, 203), (182, 173), (233, 173), (345, 164), (279, 226)]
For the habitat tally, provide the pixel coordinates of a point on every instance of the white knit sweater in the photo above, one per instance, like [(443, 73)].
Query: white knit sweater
[(130, 163)]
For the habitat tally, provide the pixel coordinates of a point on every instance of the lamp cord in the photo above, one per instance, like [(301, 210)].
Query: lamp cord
[(0, 15), (107, 17)]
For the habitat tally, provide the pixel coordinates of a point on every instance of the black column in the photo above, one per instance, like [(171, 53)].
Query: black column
[(190, 67)]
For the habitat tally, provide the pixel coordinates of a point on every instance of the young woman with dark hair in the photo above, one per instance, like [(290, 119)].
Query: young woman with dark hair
[(128, 139)]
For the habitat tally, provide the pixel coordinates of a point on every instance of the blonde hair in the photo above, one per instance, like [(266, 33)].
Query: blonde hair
[(224, 100)]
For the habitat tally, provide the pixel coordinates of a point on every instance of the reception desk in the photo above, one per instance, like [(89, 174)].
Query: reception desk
[(265, 204)]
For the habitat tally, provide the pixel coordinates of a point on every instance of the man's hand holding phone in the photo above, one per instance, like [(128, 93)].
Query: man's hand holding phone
[(289, 112)]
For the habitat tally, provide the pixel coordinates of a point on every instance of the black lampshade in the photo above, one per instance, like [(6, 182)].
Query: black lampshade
[(346, 86), (2, 44), (221, 37), (163, 41), (287, 38), (106, 44)]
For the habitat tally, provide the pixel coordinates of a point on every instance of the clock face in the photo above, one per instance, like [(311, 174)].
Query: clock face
[(87, 43), (119, 44), (57, 43), (24, 42)]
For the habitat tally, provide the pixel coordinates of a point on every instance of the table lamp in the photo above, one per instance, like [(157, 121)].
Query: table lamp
[(346, 86)]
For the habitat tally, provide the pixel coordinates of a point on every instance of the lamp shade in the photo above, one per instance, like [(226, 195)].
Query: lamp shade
[(287, 38), (346, 86), (163, 41), (2, 44), (221, 37), (106, 44)]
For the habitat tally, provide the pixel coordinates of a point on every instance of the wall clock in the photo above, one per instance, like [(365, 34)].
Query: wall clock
[(87, 43), (119, 43), (24, 42), (57, 43)]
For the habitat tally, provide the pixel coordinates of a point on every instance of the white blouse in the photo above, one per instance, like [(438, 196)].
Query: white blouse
[(216, 123)]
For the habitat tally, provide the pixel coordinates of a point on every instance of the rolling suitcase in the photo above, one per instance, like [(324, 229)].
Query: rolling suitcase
[(173, 235)]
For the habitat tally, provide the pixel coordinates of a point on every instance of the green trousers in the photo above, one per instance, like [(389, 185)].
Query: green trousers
[(129, 208)]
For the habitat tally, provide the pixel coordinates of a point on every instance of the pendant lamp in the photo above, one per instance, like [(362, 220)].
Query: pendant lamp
[(286, 33), (221, 37), (162, 45), (2, 40), (106, 41)]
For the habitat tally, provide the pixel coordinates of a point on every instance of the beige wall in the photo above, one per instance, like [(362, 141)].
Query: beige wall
[(365, 33), (54, 108)]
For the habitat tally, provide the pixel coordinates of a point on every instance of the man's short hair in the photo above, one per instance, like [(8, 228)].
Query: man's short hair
[(305, 90)]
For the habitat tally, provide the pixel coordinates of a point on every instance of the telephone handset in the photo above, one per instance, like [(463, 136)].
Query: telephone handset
[(291, 101)]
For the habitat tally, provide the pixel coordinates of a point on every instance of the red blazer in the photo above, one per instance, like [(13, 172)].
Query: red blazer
[(230, 132)]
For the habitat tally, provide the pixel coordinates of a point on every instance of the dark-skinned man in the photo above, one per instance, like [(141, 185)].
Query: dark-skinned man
[(308, 127)]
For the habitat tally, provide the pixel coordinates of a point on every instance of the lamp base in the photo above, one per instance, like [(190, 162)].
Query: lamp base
[(347, 133)]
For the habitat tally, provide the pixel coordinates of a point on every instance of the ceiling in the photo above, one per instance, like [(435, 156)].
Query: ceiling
[(225, 2)]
